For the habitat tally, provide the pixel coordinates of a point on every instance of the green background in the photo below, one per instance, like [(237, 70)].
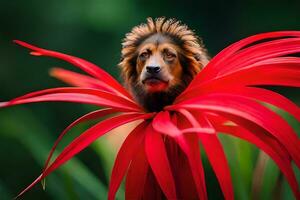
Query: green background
[(93, 30)]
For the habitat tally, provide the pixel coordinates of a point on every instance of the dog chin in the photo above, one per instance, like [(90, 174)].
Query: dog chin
[(155, 85)]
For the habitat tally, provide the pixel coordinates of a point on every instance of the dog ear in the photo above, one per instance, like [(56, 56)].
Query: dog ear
[(202, 59), (197, 56)]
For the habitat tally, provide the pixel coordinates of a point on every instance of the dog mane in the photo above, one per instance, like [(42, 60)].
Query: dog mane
[(185, 37), (193, 47), (193, 57)]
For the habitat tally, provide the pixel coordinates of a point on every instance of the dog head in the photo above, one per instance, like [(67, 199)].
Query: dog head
[(158, 65), (159, 59)]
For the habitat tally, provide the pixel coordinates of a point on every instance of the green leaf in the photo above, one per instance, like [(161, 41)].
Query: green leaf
[(27, 130)]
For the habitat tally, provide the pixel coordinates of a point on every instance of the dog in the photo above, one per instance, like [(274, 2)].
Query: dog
[(158, 61)]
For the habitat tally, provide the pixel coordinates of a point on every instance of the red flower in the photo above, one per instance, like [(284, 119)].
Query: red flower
[(161, 157)]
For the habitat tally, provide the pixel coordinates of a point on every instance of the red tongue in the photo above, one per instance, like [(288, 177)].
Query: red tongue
[(155, 85)]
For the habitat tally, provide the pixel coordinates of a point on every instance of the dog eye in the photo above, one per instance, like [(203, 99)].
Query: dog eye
[(169, 55), (144, 55)]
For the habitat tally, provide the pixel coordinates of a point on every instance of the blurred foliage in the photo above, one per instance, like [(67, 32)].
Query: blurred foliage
[(93, 29)]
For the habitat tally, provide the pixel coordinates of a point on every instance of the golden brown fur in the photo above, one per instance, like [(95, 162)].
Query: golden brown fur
[(156, 37)]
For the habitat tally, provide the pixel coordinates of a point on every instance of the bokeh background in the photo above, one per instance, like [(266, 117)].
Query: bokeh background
[(93, 30)]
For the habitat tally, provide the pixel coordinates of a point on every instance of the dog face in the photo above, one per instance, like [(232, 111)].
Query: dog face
[(159, 60), (157, 65)]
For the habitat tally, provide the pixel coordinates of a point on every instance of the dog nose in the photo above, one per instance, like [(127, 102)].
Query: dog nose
[(152, 69)]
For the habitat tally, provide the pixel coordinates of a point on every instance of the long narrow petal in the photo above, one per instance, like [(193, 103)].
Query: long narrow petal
[(215, 154), (137, 175), (163, 124), (85, 139), (259, 94), (80, 95), (290, 61), (125, 155), (158, 161), (92, 134), (269, 97), (262, 51), (90, 116), (245, 43), (274, 75), (80, 90), (188, 143), (254, 113), (251, 124), (76, 79), (194, 158), (218, 161), (79, 80), (283, 163), (214, 66), (152, 189), (86, 66), (258, 131), (73, 97)]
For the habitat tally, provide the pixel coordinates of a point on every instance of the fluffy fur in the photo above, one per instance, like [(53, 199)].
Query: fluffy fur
[(191, 54)]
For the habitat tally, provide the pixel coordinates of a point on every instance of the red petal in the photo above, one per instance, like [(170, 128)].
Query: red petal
[(254, 113), (90, 116), (283, 163), (80, 95), (215, 154), (216, 64), (125, 155), (260, 94), (194, 158), (163, 124), (217, 159), (86, 139), (292, 63), (82, 90), (280, 75), (269, 97), (80, 80), (181, 169), (152, 189), (137, 175), (3, 104), (277, 75), (259, 132), (261, 52), (158, 161), (91, 135), (76, 79), (86, 66)]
